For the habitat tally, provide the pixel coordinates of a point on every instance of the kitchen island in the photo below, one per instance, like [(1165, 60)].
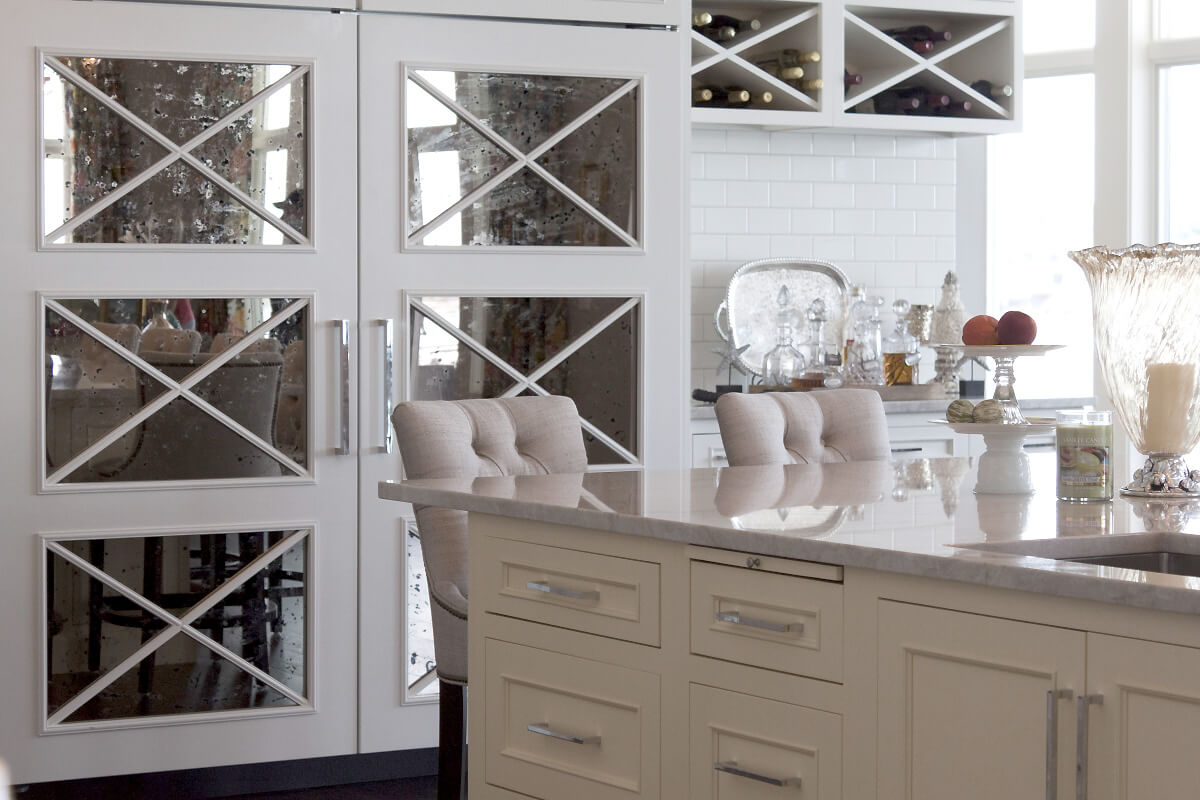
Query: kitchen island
[(821, 632)]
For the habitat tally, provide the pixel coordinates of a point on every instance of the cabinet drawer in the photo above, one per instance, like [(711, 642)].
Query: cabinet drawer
[(559, 726), (605, 595), (708, 450), (765, 619), (744, 748)]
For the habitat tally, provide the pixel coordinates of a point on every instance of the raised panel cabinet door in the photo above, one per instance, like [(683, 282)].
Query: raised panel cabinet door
[(1142, 732), (974, 706)]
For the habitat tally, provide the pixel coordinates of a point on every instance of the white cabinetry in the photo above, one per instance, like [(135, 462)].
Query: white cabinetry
[(852, 38), (635, 12)]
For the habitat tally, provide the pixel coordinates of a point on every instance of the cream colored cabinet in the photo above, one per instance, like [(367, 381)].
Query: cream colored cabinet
[(971, 706), (1143, 711), (748, 748)]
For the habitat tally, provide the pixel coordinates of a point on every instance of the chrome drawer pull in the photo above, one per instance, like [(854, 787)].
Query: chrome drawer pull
[(1081, 741), (732, 768), (593, 597), (544, 729), (1052, 698), (735, 618)]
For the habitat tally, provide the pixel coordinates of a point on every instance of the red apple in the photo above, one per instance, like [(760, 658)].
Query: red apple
[(1016, 327), (980, 329)]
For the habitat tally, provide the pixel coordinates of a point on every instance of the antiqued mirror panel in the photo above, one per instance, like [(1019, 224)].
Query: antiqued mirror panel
[(160, 389), (500, 159), (164, 151), (110, 656), (420, 659), (587, 348)]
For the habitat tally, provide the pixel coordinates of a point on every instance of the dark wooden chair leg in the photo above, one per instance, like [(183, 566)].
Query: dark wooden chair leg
[(451, 736)]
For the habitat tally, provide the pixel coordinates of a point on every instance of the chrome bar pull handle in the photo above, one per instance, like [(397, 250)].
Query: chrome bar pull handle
[(343, 357), (1081, 741), (562, 591), (386, 377), (544, 729), (1052, 698), (736, 618), (731, 768)]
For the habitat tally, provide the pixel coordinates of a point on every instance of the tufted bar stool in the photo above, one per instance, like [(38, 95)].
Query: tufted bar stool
[(803, 427), (472, 438)]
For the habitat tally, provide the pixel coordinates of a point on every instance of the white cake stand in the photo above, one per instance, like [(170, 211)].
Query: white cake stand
[(1004, 355), (1004, 465)]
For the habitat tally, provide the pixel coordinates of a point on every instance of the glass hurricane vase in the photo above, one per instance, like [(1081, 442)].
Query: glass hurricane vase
[(1145, 304)]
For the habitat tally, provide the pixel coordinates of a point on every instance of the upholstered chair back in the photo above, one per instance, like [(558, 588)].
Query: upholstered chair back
[(475, 438), (803, 427)]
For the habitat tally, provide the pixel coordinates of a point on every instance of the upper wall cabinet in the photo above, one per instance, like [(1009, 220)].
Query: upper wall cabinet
[(333, 5), (952, 66), (634, 12)]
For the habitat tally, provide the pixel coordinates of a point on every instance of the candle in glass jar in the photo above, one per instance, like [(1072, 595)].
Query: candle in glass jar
[(1169, 391)]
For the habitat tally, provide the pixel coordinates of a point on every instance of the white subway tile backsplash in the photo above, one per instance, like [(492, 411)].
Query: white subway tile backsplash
[(812, 168), (797, 194), (833, 195), (748, 194), (790, 142), (770, 220), (868, 145), (725, 220), (833, 144), (792, 247), (916, 146), (708, 140), (853, 221), (881, 207), (769, 168), (899, 223), (896, 170), (854, 170), (726, 166), (746, 141), (812, 220), (708, 194)]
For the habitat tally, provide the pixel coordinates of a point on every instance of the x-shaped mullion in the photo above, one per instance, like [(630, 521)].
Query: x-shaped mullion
[(175, 389), (522, 159), (175, 152), (174, 624), (529, 381)]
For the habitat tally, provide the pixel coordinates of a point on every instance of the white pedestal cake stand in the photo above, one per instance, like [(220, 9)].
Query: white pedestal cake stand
[(1004, 355), (1004, 465)]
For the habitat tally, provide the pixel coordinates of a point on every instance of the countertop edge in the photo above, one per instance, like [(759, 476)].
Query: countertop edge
[(981, 567)]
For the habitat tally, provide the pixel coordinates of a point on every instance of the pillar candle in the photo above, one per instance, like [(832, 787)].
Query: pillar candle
[(1169, 392)]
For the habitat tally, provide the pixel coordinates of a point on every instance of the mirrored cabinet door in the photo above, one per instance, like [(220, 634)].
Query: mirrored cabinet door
[(529, 246), (180, 526)]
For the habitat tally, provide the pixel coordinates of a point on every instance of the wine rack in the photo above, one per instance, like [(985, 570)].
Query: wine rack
[(983, 45)]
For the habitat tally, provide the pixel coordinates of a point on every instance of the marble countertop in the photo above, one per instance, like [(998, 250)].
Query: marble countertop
[(910, 517), (708, 411)]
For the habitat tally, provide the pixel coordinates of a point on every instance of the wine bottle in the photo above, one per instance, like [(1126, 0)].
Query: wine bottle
[(718, 33), (731, 97), (890, 102), (929, 100), (786, 73), (724, 20), (921, 46), (992, 91), (954, 109), (762, 99), (701, 18), (918, 32), (851, 79), (702, 95), (811, 84), (788, 58)]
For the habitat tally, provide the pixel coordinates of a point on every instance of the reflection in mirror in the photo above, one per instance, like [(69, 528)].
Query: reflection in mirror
[(96, 424), (109, 175), (581, 187), (586, 348), (806, 499), (421, 675), (93, 628)]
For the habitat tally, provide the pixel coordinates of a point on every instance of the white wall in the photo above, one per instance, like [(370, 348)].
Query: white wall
[(880, 207)]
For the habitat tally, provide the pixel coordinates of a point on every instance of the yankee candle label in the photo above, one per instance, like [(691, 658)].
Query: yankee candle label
[(1084, 460)]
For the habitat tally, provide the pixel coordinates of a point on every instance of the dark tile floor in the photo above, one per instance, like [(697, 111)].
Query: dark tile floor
[(409, 789)]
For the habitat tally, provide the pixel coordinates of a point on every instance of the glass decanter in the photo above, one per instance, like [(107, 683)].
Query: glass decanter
[(783, 362), (901, 350), (865, 359)]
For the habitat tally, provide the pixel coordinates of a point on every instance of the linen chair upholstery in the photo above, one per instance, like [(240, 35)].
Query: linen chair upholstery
[(475, 438), (803, 427), (170, 340)]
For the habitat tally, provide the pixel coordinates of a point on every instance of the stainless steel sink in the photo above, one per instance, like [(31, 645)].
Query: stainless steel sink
[(1161, 561)]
